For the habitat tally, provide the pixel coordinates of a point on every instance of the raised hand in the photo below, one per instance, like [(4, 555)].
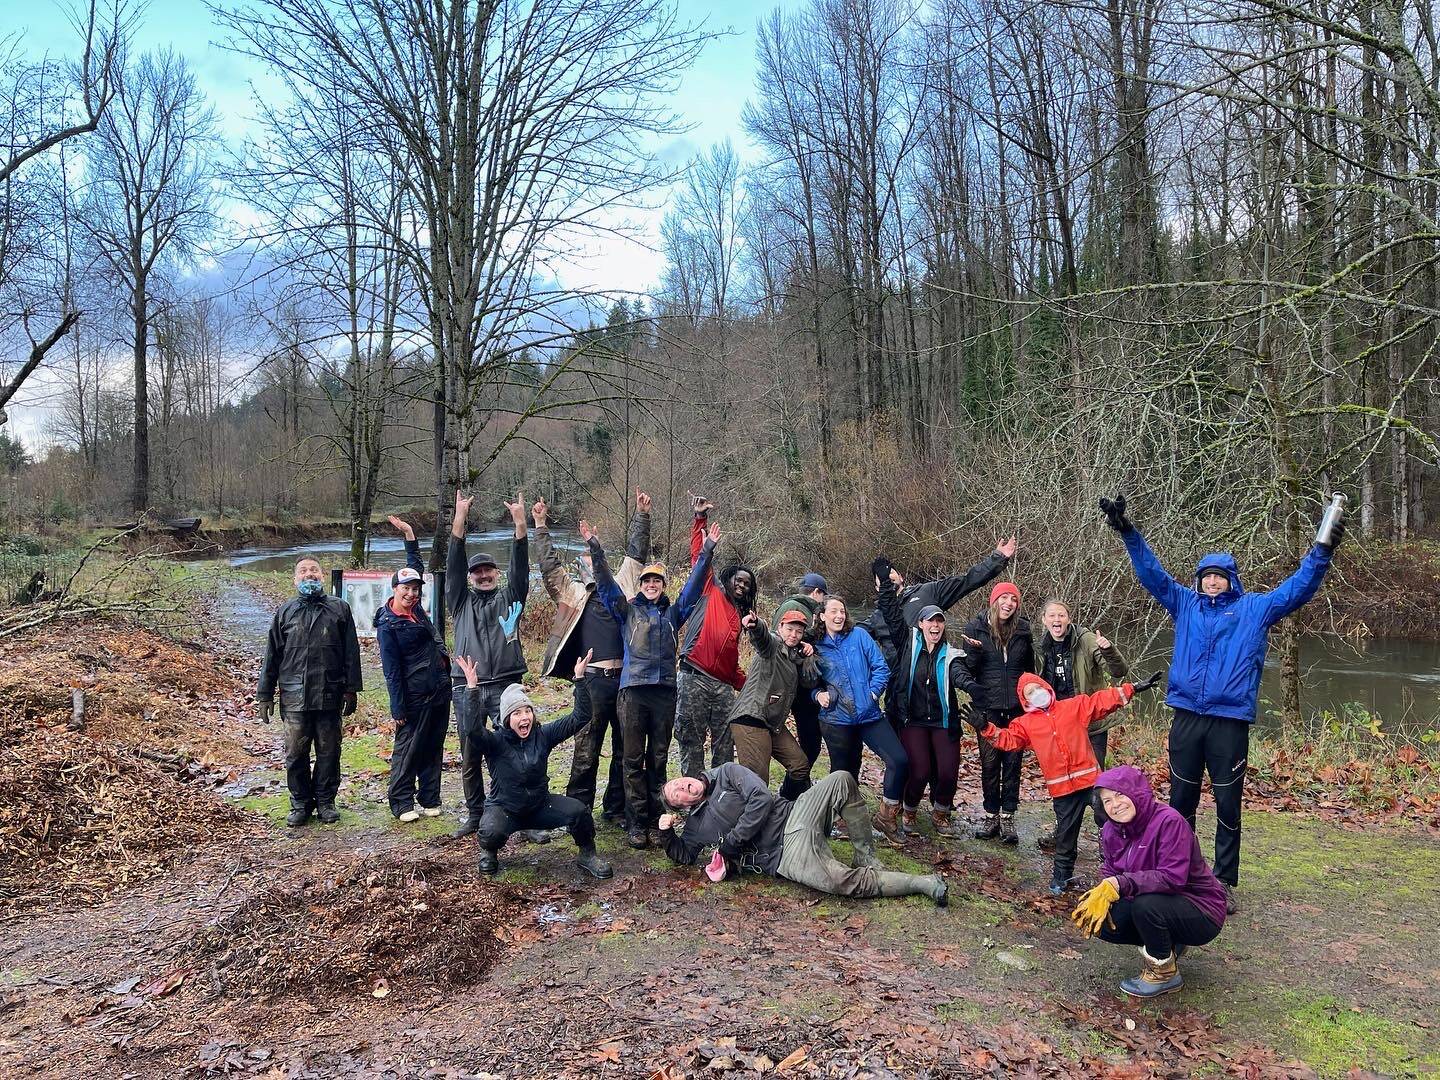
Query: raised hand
[(467, 665), (586, 532), (1337, 534), (881, 569), (700, 504), (583, 663), (462, 504), (404, 527), (806, 649), (713, 533), (517, 511), (1101, 640), (510, 620), (1008, 547), (642, 501), (1147, 684), (540, 512), (1114, 511), (749, 620)]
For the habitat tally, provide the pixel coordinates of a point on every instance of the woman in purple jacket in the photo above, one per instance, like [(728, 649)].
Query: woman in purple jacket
[(1159, 892)]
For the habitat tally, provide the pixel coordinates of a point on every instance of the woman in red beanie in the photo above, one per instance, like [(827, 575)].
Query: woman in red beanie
[(998, 650)]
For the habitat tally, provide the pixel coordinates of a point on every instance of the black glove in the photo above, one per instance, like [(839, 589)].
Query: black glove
[(881, 569), (1337, 534), (1148, 684), (348, 706), (1115, 514), (972, 716)]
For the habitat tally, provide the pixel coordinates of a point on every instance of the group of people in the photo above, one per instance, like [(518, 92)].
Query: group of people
[(647, 669)]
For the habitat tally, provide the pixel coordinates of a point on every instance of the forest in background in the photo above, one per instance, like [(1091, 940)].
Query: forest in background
[(989, 261)]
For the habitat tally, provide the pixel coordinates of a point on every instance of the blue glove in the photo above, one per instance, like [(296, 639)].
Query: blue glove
[(509, 621)]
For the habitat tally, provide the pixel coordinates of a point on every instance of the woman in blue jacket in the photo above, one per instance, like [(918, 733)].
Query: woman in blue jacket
[(417, 674), (1222, 634), (854, 675)]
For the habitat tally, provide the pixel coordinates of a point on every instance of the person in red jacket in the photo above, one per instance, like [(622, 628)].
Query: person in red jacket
[(1059, 733), (710, 672)]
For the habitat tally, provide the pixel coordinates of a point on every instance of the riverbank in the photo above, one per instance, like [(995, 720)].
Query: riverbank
[(339, 951)]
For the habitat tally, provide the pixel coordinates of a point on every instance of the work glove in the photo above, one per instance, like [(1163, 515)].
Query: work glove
[(973, 717), (1093, 910), (1337, 534), (881, 569), (266, 709), (348, 705), (1147, 684), (1115, 514)]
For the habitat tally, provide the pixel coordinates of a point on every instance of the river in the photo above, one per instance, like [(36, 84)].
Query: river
[(1394, 678)]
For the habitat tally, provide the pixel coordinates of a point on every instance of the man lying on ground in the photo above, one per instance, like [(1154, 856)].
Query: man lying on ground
[(730, 809), (518, 755)]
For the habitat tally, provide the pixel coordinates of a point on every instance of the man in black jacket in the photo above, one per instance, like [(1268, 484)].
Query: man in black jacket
[(731, 810), (519, 754), (486, 618), (313, 657)]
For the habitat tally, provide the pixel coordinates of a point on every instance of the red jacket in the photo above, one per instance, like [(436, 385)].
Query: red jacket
[(712, 634), (1060, 735)]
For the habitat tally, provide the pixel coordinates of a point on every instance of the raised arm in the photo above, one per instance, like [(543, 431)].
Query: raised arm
[(760, 635), (1116, 666), (606, 587), (695, 583), (1299, 588), (1014, 737), (950, 590), (552, 571), (637, 548), (887, 599), (1151, 574)]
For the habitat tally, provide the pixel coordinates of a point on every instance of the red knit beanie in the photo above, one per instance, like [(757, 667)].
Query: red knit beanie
[(1003, 587)]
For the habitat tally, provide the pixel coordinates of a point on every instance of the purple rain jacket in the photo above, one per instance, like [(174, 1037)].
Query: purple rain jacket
[(1156, 851)]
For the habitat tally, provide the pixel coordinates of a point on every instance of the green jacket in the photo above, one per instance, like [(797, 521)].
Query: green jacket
[(770, 680)]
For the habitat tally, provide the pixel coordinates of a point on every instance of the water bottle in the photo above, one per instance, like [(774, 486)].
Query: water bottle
[(1333, 513)]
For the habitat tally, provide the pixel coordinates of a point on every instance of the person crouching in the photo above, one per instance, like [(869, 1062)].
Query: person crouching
[(518, 755), (1059, 733)]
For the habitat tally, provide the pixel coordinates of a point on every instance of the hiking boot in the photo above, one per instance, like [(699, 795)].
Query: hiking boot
[(589, 861), (1008, 835), (940, 893), (887, 820), (327, 814), (297, 818), (533, 836), (614, 819), (1231, 904), (943, 822), (488, 863), (637, 837), (989, 827), (1060, 880), (429, 811), (907, 819), (1156, 977), (408, 816), (1046, 842), (469, 826)]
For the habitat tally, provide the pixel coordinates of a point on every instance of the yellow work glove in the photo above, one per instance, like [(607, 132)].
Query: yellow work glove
[(1093, 910)]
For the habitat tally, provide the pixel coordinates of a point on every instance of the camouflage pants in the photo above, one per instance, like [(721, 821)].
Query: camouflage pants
[(702, 708)]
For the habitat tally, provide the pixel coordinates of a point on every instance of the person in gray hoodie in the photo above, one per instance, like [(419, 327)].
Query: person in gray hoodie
[(730, 810)]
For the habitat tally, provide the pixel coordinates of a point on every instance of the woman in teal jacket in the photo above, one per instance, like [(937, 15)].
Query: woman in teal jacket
[(854, 675)]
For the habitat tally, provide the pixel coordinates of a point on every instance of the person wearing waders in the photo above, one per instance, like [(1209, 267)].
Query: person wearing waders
[(730, 810), (417, 675), (1222, 634), (486, 618), (710, 672), (809, 598), (583, 624), (312, 657)]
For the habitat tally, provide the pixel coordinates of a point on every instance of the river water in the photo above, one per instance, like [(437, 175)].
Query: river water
[(1398, 680)]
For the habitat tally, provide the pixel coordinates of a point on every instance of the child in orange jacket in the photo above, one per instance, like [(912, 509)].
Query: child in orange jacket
[(1059, 733)]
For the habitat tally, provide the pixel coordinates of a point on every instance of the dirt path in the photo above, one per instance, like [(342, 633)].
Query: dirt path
[(372, 949)]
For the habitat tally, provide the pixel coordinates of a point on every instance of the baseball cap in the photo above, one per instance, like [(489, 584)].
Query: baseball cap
[(813, 581), (483, 558), (654, 569), (407, 575), (794, 615), (930, 611)]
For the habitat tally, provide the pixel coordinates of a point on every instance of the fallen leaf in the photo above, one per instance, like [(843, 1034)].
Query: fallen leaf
[(794, 1060), (381, 989), (608, 1052), (165, 984)]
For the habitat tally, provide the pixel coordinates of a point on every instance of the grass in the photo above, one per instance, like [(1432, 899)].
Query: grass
[(1335, 1037)]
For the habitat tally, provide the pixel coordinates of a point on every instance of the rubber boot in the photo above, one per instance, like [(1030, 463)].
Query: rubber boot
[(590, 861), (469, 825), (1008, 835), (887, 820), (1156, 977), (488, 863), (533, 836), (297, 818), (862, 838), (931, 885), (327, 814), (989, 827), (637, 836)]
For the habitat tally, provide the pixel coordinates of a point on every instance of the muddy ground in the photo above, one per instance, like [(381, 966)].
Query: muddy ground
[(373, 949)]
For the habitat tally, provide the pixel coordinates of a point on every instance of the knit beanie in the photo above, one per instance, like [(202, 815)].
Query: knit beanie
[(513, 697), (1003, 587)]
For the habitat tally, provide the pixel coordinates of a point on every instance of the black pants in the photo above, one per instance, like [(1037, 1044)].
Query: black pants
[(487, 714), (1100, 743), (304, 729), (1220, 746), (999, 772), (556, 812), (597, 697), (1159, 921), (415, 762), (1069, 816), (807, 723), (844, 742), (647, 723)]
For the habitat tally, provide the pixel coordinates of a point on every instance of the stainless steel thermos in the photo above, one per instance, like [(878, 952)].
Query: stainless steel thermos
[(1333, 513)]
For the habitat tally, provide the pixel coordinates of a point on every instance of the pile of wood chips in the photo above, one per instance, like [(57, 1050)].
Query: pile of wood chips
[(384, 920)]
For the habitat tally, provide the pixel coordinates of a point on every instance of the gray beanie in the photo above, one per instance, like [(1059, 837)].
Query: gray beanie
[(512, 698)]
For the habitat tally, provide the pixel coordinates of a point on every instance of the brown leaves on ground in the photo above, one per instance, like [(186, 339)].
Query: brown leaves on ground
[(407, 921)]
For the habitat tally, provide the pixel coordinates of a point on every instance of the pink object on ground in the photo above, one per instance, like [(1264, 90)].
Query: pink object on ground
[(715, 868)]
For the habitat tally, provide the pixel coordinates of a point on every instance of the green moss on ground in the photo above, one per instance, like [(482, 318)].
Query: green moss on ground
[(1335, 1037)]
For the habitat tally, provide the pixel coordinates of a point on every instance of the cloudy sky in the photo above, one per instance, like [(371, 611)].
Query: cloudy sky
[(710, 98)]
